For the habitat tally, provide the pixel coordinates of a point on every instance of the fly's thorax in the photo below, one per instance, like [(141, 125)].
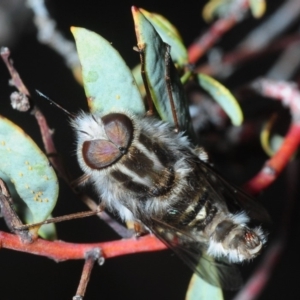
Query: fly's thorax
[(135, 162)]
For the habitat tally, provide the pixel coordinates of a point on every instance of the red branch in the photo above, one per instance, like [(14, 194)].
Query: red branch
[(217, 30), (60, 251), (276, 164), (261, 276), (203, 43), (289, 95), (242, 55), (47, 137)]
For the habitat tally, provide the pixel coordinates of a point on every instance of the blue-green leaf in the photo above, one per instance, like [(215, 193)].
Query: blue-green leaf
[(28, 169), (108, 82), (201, 290), (169, 35), (136, 72), (155, 51), (48, 231), (224, 98)]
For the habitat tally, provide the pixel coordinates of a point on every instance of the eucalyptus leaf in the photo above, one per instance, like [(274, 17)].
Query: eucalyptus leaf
[(136, 72), (199, 289), (258, 7), (169, 35), (155, 51), (108, 82), (28, 169), (215, 8), (48, 231), (224, 98)]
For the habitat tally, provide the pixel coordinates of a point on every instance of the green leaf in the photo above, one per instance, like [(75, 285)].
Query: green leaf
[(258, 8), (28, 169), (136, 72), (169, 35), (48, 231), (201, 290), (270, 142), (224, 98), (155, 50), (108, 82), (215, 8)]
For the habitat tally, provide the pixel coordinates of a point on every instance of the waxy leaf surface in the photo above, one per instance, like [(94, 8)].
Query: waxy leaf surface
[(155, 51), (224, 98), (28, 169), (169, 35), (199, 289), (108, 82)]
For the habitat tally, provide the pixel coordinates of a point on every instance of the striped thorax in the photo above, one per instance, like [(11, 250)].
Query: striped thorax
[(147, 173)]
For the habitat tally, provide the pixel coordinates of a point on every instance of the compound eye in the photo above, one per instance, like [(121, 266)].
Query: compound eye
[(119, 129), (100, 153)]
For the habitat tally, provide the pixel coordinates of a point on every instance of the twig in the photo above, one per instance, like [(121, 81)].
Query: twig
[(274, 25), (261, 276), (287, 64), (91, 257), (256, 43), (274, 166), (15, 77), (121, 230), (46, 132), (60, 251), (235, 58), (48, 34), (289, 95), (216, 31), (12, 220), (47, 137), (79, 215)]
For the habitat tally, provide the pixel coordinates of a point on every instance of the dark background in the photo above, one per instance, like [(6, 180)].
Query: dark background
[(158, 275)]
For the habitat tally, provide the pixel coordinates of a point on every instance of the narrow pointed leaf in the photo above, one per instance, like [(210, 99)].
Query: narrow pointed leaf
[(224, 98), (270, 143), (28, 169), (169, 35), (155, 50), (108, 82)]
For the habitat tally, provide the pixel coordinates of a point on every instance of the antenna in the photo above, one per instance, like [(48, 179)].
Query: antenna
[(56, 104)]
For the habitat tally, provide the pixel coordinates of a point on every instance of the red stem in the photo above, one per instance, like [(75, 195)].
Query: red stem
[(59, 250), (243, 55), (276, 164), (261, 276), (203, 43)]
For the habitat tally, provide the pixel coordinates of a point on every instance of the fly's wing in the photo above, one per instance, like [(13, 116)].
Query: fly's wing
[(235, 199), (192, 252)]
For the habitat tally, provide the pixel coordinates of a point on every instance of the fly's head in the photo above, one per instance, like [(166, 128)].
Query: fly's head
[(102, 141)]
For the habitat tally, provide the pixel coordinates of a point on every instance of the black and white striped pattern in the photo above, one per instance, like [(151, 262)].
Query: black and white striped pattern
[(160, 180)]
